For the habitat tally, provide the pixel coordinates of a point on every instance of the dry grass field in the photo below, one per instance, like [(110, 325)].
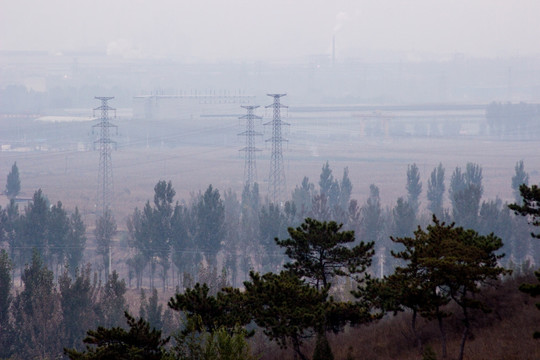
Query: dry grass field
[(71, 177)]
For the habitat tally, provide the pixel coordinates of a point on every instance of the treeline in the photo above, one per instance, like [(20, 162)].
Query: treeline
[(302, 277), (443, 268), (513, 121), (181, 242), (46, 316), (237, 234)]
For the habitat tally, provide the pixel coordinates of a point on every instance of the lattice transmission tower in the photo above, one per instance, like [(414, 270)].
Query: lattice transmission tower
[(105, 192), (276, 178), (250, 166)]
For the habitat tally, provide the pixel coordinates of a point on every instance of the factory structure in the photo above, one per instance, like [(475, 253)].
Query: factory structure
[(189, 105)]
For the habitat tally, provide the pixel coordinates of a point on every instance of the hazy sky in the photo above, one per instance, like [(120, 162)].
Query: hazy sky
[(215, 30)]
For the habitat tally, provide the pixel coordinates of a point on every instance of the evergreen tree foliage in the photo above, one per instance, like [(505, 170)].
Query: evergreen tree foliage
[(112, 301), (467, 206), (36, 313), (13, 183), (322, 351), (372, 220), (209, 219), (495, 217), (520, 178), (152, 229), (272, 224), (462, 261), (414, 187), (447, 262), (104, 232), (151, 310), (217, 344), (404, 218), (140, 342), (79, 302), (302, 196), (58, 229), (12, 228), (530, 208), (457, 184), (76, 242), (436, 190), (3, 225), (227, 309), (319, 252), (329, 187), (285, 307), (465, 193), (345, 187), (320, 208), (224, 345), (182, 244), (33, 227), (6, 286)]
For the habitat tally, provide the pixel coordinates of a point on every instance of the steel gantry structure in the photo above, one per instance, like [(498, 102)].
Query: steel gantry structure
[(105, 193), (276, 178), (250, 167)]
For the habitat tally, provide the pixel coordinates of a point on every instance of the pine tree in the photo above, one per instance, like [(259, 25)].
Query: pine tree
[(58, 230), (76, 242), (79, 302), (151, 310), (436, 190), (104, 232), (285, 307), (6, 284), (209, 217), (152, 229), (302, 196), (33, 227), (372, 215), (414, 187), (140, 342), (520, 178), (404, 218), (530, 208), (112, 301), (322, 351), (13, 184), (466, 193), (345, 187), (37, 313), (319, 252)]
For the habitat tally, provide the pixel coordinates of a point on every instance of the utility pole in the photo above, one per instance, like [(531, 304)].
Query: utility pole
[(250, 167), (276, 178), (105, 191)]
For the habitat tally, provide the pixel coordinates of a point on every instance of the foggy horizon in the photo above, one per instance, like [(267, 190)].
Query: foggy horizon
[(215, 31)]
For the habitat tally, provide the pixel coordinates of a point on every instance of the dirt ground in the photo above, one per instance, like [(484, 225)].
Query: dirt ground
[(71, 176)]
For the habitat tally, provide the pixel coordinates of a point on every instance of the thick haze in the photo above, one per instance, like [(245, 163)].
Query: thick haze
[(217, 30)]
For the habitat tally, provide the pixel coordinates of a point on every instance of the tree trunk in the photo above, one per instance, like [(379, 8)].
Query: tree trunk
[(298, 352), (443, 334), (417, 341), (465, 331)]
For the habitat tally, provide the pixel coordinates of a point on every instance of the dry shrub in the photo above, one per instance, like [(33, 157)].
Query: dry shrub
[(503, 334)]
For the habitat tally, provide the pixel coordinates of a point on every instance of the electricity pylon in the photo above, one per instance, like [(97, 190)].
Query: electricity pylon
[(276, 178), (105, 193), (250, 167)]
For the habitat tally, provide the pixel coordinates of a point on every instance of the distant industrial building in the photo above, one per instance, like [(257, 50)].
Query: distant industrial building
[(188, 106)]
